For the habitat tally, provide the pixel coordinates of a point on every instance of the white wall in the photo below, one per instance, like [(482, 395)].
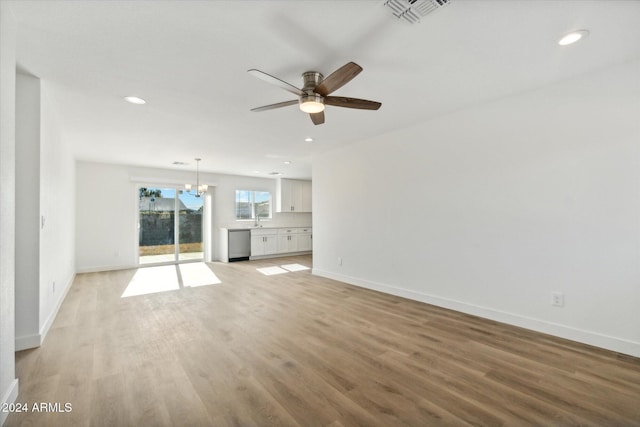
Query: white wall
[(490, 209), (45, 254), (27, 289), (57, 205), (107, 202), (8, 380)]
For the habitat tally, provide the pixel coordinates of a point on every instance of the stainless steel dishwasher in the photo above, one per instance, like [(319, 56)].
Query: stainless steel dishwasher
[(239, 245)]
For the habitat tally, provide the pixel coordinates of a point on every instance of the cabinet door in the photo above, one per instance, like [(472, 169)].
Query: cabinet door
[(304, 242), (287, 243), (293, 195), (296, 196), (306, 196), (284, 196), (292, 243), (270, 245), (257, 245), (283, 244)]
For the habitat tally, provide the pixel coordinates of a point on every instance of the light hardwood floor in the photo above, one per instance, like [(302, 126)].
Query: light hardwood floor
[(294, 349)]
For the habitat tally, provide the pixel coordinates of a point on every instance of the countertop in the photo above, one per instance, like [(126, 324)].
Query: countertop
[(268, 227)]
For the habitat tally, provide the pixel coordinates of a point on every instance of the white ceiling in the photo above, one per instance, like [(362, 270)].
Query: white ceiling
[(189, 59)]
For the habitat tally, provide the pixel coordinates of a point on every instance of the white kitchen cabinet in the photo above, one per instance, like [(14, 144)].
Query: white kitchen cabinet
[(257, 245), (293, 195), (306, 196), (287, 240), (287, 191), (305, 243), (277, 241), (263, 242)]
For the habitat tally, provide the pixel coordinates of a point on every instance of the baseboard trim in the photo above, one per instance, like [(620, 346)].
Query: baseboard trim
[(26, 342), (105, 268), (586, 337), (10, 396), (279, 255), (52, 316)]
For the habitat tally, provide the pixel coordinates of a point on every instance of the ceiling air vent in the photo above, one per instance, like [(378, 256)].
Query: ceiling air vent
[(412, 10)]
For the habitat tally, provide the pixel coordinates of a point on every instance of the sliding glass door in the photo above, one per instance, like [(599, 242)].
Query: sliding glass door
[(190, 217), (170, 225), (156, 225)]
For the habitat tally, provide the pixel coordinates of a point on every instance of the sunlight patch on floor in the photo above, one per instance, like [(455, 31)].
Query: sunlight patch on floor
[(288, 268), (151, 280), (197, 274), (294, 267), (270, 271)]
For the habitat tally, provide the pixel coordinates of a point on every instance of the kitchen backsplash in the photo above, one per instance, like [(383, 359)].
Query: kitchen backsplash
[(283, 219)]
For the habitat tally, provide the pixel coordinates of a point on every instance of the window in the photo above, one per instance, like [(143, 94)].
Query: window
[(251, 204)]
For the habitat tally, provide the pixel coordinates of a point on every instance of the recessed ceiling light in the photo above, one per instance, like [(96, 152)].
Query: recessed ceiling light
[(179, 163), (308, 139), (256, 171), (135, 100), (275, 173), (287, 162), (573, 37)]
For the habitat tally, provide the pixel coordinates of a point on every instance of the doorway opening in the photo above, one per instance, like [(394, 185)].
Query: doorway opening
[(170, 226)]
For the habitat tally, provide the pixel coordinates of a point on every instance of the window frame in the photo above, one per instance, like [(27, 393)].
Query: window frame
[(252, 203)]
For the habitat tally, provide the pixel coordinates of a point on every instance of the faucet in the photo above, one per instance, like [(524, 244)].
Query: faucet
[(256, 215)]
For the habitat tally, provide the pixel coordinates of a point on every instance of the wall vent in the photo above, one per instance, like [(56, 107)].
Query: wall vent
[(412, 10)]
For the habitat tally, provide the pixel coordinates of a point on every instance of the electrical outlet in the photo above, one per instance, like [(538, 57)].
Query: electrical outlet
[(339, 260), (557, 299)]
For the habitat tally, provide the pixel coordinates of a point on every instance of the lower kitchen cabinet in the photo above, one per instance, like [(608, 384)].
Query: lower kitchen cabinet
[(304, 242), (287, 243), (267, 242), (263, 245)]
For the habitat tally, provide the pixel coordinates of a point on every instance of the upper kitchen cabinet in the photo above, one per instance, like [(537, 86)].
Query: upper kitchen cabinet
[(306, 196), (293, 195)]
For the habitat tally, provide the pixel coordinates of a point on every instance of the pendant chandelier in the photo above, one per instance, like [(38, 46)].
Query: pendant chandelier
[(201, 189)]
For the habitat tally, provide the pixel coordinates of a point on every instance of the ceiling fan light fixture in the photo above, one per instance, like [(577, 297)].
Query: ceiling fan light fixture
[(312, 103)]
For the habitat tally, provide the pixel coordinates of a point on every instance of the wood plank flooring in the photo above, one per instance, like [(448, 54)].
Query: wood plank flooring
[(297, 350)]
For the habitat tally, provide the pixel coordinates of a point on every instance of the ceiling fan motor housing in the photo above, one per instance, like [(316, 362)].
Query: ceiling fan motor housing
[(310, 80), (311, 97), (311, 102)]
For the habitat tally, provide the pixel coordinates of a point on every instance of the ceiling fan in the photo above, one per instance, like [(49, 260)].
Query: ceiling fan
[(313, 96)]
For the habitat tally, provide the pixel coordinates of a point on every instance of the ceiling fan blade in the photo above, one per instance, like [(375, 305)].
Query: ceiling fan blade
[(317, 118), (277, 105), (338, 78), (361, 104), (275, 81)]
